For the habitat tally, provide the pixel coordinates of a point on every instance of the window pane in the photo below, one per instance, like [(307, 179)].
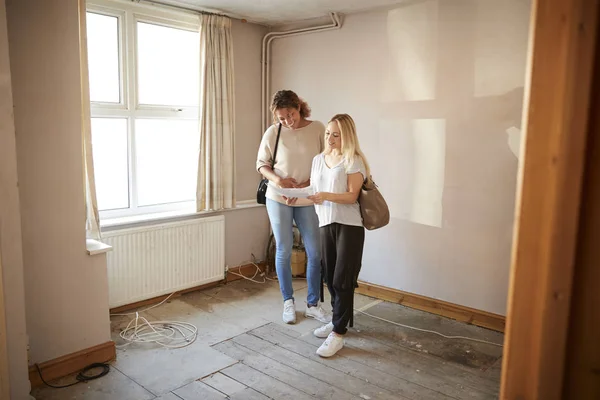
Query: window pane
[(166, 160), (103, 57), (109, 143), (168, 65)]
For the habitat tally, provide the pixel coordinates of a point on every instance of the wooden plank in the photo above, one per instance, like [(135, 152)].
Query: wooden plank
[(168, 396), (291, 376), (467, 353), (262, 383), (71, 363), (223, 384), (495, 371), (248, 394), (557, 98), (405, 364), (582, 372), (198, 391), (4, 375), (439, 307), (337, 371)]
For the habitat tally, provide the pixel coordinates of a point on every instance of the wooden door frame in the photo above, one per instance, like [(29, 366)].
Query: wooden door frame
[(4, 374), (558, 95)]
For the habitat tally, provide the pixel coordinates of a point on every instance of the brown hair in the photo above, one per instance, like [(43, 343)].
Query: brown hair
[(289, 99)]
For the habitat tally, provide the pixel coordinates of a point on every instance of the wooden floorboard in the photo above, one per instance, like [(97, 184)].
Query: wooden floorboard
[(395, 383), (415, 367), (264, 384), (495, 371), (248, 394), (470, 354), (349, 382), (223, 384), (283, 373), (394, 337)]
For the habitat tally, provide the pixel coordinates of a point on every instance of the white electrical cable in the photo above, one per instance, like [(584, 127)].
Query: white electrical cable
[(427, 330), (145, 309), (169, 334), (258, 272)]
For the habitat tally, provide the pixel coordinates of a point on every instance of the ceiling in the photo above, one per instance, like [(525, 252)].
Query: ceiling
[(275, 12)]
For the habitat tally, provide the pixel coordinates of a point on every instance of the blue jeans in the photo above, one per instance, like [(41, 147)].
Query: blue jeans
[(282, 217)]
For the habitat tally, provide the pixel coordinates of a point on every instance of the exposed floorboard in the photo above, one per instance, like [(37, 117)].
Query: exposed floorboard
[(245, 351)]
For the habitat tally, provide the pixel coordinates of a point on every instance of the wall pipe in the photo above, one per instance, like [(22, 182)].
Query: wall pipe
[(266, 56)]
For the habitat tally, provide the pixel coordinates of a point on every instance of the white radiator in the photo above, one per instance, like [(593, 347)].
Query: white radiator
[(155, 260)]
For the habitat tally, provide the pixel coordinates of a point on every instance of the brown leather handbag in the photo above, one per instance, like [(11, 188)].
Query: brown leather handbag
[(373, 208)]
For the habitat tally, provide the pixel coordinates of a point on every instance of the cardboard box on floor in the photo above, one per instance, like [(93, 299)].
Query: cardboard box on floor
[(298, 262)]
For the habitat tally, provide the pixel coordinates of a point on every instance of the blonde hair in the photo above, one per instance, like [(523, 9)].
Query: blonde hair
[(289, 99), (350, 146)]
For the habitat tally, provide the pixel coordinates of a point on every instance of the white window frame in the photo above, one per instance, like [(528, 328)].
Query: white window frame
[(128, 14)]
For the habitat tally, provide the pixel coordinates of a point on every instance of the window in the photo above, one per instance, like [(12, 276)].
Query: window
[(144, 69)]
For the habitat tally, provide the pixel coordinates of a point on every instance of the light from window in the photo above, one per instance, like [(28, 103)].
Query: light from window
[(103, 57), (168, 65), (144, 83), (109, 144), (166, 160)]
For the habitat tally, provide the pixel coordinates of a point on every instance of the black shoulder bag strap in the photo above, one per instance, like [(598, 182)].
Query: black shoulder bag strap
[(276, 145)]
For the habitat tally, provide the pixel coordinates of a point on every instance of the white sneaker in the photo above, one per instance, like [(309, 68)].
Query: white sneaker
[(323, 331), (317, 313), (331, 345), (289, 312)]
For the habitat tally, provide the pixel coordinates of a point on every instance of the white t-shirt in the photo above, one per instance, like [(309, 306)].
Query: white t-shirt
[(335, 180)]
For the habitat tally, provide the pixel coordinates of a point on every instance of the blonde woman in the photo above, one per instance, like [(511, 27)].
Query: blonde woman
[(337, 176), (299, 141)]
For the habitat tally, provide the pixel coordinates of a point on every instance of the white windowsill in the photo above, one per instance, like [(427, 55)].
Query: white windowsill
[(122, 222), (95, 247)]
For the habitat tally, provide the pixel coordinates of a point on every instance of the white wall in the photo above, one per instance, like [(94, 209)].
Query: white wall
[(434, 87), (66, 290), (10, 229), (246, 230)]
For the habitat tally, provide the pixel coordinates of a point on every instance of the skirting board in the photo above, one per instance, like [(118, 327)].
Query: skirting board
[(460, 313), (71, 363)]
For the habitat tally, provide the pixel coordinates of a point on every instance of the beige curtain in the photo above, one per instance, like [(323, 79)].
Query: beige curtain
[(92, 221), (216, 166)]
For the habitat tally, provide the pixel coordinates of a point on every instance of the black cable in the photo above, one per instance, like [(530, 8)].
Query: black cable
[(81, 376)]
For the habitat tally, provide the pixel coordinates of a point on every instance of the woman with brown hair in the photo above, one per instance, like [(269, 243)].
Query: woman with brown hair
[(300, 140)]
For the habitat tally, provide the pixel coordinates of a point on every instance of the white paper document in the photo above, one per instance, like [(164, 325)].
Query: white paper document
[(292, 192)]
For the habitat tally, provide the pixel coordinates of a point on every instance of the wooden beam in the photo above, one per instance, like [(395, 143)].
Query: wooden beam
[(4, 375), (582, 370), (556, 114)]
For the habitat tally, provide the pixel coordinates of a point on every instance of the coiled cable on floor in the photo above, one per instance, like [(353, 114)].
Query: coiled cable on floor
[(163, 333), (81, 376), (169, 334)]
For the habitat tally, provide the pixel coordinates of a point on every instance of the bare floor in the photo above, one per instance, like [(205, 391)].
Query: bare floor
[(245, 351)]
